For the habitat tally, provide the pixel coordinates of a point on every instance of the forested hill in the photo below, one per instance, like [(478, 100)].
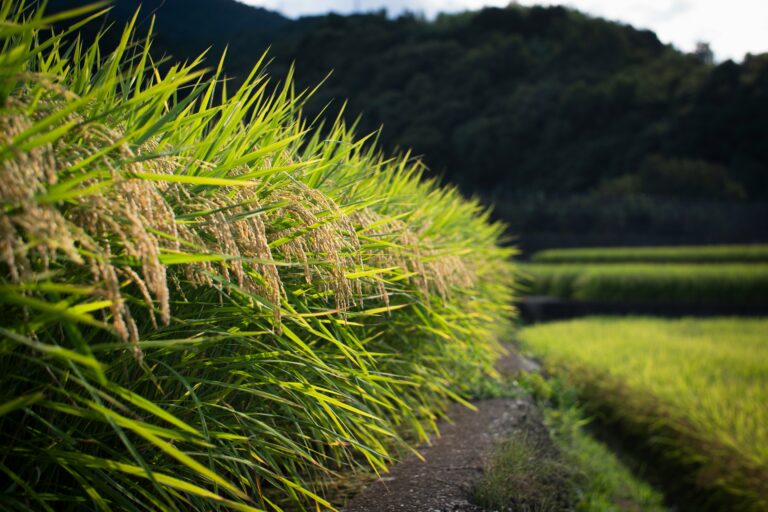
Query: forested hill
[(512, 100), (186, 28)]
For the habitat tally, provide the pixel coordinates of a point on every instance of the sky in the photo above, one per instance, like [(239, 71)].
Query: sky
[(731, 27)]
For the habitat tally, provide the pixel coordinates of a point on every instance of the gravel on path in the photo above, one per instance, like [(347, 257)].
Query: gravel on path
[(454, 460)]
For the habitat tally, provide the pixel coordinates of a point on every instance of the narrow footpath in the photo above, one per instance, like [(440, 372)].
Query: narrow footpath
[(455, 459)]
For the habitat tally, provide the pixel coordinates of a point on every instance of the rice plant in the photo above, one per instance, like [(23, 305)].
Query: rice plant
[(209, 302)]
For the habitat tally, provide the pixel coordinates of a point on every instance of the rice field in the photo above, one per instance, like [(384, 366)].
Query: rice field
[(696, 389), (734, 283), (755, 253), (209, 302)]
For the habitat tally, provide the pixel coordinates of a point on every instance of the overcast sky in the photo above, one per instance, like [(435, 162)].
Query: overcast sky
[(732, 27)]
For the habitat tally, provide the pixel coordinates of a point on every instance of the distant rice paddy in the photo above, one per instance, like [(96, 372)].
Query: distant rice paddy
[(739, 283), (697, 389), (686, 254)]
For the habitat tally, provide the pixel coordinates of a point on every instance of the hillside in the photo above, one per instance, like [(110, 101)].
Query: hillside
[(186, 28), (547, 99)]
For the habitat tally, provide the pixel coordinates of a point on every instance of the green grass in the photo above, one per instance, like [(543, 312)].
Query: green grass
[(599, 480), (684, 254), (523, 472), (208, 302), (696, 389), (604, 482), (662, 283), (569, 470)]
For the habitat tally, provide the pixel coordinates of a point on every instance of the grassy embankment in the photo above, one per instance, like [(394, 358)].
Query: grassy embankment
[(734, 283), (696, 390), (686, 254), (737, 274), (208, 304), (568, 470)]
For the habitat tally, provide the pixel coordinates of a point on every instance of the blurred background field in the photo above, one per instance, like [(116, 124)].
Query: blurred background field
[(691, 390), (733, 283), (694, 390), (681, 254)]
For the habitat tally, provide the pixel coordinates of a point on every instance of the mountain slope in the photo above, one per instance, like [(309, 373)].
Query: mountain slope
[(185, 28), (547, 99)]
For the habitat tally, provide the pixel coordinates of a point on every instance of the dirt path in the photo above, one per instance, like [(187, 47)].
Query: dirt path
[(453, 461)]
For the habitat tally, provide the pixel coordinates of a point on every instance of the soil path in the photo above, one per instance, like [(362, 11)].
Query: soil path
[(454, 460)]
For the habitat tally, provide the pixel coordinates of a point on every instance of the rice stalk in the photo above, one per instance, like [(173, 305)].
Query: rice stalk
[(209, 304)]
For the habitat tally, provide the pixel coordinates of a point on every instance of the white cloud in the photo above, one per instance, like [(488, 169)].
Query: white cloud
[(733, 28)]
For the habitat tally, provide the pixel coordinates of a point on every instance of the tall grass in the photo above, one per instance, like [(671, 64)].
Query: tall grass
[(737, 283), (695, 389), (756, 253), (600, 478), (209, 303)]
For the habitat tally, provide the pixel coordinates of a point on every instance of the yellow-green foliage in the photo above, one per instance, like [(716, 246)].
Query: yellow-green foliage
[(207, 303), (697, 387), (648, 282), (684, 254)]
